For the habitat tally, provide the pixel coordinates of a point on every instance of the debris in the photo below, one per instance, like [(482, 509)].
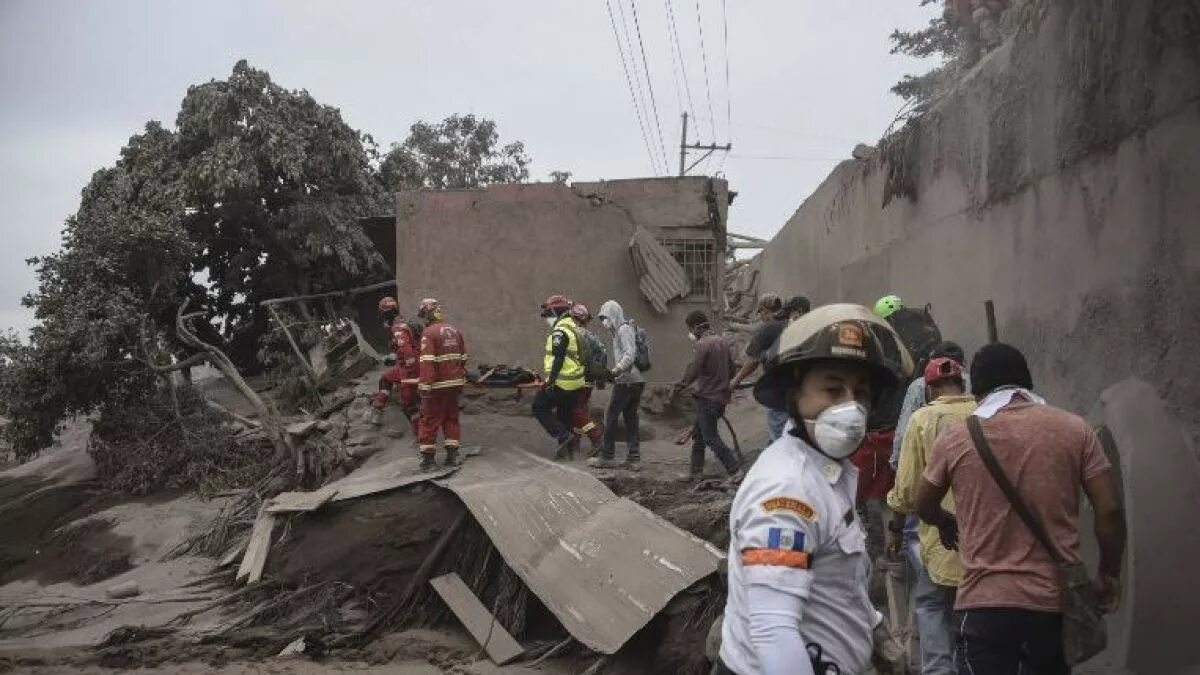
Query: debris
[(660, 277), (260, 544), (302, 429), (295, 502), (576, 545), (862, 152), (128, 589), (401, 607), (295, 648), (479, 622)]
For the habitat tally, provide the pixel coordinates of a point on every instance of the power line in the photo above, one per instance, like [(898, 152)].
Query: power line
[(789, 157), (641, 88), (704, 58), (728, 91), (795, 132), (677, 52), (629, 84), (646, 66)]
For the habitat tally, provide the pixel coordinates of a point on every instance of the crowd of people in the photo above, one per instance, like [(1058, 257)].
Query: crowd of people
[(982, 489)]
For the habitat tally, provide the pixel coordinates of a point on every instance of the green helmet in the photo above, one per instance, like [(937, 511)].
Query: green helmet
[(840, 332), (888, 305)]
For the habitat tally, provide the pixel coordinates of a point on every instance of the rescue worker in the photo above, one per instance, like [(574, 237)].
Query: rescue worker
[(798, 565), (443, 374), (403, 360), (555, 401), (594, 374)]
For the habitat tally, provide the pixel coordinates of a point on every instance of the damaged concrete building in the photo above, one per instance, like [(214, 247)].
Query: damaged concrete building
[(657, 246)]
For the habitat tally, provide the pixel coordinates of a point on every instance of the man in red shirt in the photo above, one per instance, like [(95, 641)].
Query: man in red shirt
[(1009, 606), (443, 375), (403, 362)]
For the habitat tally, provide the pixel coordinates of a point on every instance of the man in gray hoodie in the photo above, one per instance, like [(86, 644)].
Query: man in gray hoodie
[(628, 385)]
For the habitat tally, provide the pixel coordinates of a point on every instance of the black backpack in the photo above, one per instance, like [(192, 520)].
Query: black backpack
[(641, 340)]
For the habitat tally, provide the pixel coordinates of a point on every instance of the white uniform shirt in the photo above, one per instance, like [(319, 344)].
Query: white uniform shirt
[(793, 527)]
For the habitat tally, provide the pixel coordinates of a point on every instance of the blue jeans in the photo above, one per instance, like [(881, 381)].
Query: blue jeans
[(934, 606), (776, 421)]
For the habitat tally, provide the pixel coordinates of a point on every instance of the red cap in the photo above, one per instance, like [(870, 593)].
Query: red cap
[(942, 368)]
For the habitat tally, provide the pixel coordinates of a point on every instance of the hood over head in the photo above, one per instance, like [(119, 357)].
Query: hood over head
[(612, 313)]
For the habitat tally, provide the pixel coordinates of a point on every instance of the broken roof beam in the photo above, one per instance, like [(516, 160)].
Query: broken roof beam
[(348, 293)]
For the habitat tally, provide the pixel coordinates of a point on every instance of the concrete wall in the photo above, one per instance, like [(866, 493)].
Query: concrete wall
[(492, 256), (1059, 180)]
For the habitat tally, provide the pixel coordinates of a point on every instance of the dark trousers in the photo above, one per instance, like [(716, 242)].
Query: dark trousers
[(553, 407), (1005, 641), (705, 434), (624, 403)]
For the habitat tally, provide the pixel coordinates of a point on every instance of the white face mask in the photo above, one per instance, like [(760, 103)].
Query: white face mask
[(691, 336), (839, 429), (551, 320)]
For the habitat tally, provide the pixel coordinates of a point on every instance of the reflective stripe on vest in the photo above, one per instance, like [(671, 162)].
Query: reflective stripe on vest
[(570, 376)]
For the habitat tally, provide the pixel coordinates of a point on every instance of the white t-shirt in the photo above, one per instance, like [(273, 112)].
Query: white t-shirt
[(793, 528)]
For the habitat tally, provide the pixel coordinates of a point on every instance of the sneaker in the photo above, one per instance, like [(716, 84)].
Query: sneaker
[(563, 451), (632, 464), (428, 463), (452, 458), (690, 477), (602, 463)]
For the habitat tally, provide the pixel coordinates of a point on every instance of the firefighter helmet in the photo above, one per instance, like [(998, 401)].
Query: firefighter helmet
[(840, 332), (888, 305), (556, 303), (427, 308), (580, 313), (388, 304)]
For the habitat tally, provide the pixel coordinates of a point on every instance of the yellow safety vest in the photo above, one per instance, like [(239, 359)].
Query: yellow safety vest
[(570, 376)]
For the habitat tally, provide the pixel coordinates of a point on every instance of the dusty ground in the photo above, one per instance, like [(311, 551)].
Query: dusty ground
[(67, 541)]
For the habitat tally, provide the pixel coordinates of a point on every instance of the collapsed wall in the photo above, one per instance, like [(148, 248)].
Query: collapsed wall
[(493, 255), (1058, 181)]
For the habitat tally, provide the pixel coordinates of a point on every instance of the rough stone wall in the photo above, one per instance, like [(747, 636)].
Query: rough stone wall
[(492, 256), (1059, 180)]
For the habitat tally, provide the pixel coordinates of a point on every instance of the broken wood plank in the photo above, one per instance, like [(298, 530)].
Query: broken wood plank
[(299, 502), (234, 553), (351, 490), (479, 622), (255, 559)]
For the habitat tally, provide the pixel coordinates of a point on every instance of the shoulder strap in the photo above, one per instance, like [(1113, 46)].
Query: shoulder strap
[(1006, 486)]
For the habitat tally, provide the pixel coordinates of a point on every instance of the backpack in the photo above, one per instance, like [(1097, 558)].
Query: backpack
[(592, 355), (641, 357)]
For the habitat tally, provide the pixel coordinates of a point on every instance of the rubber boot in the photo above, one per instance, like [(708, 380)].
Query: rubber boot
[(428, 463), (452, 458)]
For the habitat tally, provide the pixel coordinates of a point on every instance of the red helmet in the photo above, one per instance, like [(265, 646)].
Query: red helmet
[(388, 304), (580, 313), (555, 302), (942, 368), (427, 307)]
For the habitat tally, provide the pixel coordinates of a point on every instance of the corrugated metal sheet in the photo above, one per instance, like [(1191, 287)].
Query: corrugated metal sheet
[(660, 277), (602, 564)]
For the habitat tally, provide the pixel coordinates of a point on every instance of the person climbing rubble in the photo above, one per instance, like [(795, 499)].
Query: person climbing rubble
[(628, 385), (555, 402), (443, 374), (595, 374), (937, 569), (403, 360), (798, 565), (708, 377)]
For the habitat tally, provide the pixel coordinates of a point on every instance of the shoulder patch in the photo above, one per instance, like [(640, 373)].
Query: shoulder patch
[(790, 504)]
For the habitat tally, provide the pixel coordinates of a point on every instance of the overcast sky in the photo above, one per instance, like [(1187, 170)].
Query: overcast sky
[(808, 78)]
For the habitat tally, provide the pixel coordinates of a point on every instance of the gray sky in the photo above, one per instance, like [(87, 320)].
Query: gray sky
[(808, 78)]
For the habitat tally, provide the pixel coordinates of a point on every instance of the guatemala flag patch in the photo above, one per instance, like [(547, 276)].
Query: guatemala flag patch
[(785, 539)]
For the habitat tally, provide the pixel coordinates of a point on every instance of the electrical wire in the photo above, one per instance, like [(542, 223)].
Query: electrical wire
[(629, 84), (677, 52), (728, 92), (649, 83), (639, 84), (704, 59)]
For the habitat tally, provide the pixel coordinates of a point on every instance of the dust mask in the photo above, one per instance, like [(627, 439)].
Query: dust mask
[(839, 429), (691, 336), (550, 321)]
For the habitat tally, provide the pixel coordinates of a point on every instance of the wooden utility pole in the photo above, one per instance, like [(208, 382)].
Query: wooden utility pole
[(684, 147)]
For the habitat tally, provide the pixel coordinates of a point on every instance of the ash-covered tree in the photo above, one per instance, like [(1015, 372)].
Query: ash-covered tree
[(461, 151), (253, 195), (938, 39)]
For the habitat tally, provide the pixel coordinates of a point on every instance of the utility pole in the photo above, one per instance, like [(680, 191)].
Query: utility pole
[(684, 147)]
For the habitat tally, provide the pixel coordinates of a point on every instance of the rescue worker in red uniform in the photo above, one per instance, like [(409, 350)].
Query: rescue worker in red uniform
[(581, 418), (404, 365), (443, 374)]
